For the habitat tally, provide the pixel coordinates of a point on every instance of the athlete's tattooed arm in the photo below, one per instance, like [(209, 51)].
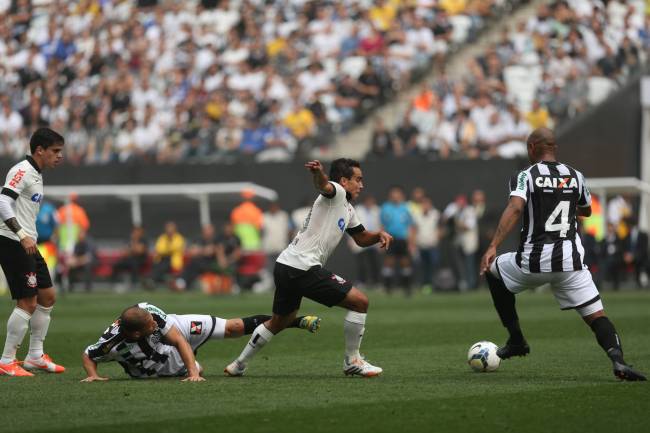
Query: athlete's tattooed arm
[(12, 223), (509, 218)]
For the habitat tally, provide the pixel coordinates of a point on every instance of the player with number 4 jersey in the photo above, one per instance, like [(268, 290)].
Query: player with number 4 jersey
[(548, 196)]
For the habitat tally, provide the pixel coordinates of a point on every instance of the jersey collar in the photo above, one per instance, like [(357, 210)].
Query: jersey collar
[(549, 162), (33, 163)]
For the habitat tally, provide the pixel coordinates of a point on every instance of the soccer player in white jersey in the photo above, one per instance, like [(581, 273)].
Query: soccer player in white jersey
[(27, 274), (548, 196), (299, 269), (148, 343)]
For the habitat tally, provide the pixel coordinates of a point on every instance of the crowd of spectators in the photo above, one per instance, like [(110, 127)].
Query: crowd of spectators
[(568, 56), (165, 81)]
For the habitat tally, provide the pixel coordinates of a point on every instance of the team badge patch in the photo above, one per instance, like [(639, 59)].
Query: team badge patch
[(196, 328), (31, 279), (338, 279)]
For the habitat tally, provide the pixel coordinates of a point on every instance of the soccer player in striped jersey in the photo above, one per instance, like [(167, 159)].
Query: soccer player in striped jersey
[(148, 343), (549, 196)]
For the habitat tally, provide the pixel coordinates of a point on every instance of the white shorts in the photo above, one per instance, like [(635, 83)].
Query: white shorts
[(573, 290), (196, 329)]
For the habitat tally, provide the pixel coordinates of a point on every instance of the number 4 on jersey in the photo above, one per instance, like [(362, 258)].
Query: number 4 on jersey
[(563, 226)]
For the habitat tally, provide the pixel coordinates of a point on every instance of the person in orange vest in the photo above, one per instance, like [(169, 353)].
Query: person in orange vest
[(247, 220), (72, 219)]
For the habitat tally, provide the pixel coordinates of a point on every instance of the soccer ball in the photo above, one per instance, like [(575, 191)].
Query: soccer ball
[(482, 356)]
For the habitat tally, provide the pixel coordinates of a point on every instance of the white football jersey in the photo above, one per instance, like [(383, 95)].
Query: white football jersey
[(24, 184), (148, 357), (321, 231)]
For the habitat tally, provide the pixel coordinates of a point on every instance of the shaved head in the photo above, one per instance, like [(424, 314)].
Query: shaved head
[(134, 319), (541, 144)]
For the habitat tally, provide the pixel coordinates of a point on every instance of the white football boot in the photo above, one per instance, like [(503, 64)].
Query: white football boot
[(360, 367), (235, 369)]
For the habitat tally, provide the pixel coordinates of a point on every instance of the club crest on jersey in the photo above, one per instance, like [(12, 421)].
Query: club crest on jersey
[(341, 224), (196, 328), (31, 279), (556, 182), (36, 198), (338, 279)]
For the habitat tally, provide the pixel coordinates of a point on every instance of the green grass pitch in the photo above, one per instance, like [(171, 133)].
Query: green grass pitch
[(296, 383)]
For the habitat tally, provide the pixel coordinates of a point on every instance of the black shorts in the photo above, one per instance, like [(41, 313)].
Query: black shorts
[(398, 248), (25, 273), (317, 284)]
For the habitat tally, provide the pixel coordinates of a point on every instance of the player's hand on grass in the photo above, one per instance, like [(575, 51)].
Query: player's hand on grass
[(94, 379), (195, 378), (314, 166), (487, 259), (384, 240), (29, 245)]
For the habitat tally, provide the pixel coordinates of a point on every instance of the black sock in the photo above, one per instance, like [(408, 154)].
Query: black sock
[(504, 302), (608, 338), (252, 322)]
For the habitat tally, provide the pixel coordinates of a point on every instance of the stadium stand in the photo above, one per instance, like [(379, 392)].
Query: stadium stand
[(165, 81)]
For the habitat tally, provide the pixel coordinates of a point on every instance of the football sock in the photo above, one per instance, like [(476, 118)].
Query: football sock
[(17, 326), (504, 302), (608, 338), (406, 274), (261, 336), (252, 322), (387, 274), (39, 324), (353, 328)]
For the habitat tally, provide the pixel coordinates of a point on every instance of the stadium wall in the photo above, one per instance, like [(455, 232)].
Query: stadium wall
[(605, 140), (110, 218)]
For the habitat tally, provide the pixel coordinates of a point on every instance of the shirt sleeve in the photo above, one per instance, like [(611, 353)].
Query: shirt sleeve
[(101, 351), (159, 316), (585, 195), (519, 185), (339, 194), (15, 182), (354, 225)]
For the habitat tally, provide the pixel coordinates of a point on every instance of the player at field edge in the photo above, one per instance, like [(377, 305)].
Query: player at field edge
[(26, 271), (548, 196), (299, 269), (148, 343)]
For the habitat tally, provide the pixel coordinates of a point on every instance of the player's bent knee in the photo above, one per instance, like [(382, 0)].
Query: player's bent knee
[(234, 328), (27, 304), (356, 301), (589, 318)]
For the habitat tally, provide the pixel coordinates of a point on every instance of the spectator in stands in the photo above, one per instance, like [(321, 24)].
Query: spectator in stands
[(247, 219), (636, 252), (427, 234), (383, 143), (398, 222), (134, 259), (82, 262), (168, 255), (463, 219), (613, 249), (229, 251), (201, 258), (275, 232), (368, 259)]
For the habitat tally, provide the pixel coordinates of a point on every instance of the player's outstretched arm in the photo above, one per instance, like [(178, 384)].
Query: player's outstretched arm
[(367, 238), (321, 182), (176, 339), (509, 218), (91, 369)]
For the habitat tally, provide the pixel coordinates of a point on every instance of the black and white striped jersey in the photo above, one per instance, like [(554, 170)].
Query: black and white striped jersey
[(147, 357), (549, 238)]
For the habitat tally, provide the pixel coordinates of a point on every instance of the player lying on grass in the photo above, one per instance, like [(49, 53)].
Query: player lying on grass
[(146, 342)]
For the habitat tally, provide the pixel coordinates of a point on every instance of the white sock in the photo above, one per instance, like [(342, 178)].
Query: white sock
[(261, 335), (353, 328), (39, 325), (16, 329)]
